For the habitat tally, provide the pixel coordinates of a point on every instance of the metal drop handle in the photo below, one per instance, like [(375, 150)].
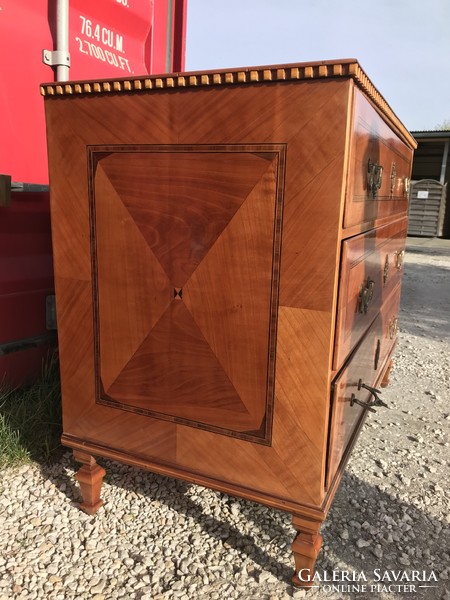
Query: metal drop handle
[(406, 186), (368, 405), (393, 178), (386, 270)]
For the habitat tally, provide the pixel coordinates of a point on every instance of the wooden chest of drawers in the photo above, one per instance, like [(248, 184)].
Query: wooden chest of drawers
[(228, 257)]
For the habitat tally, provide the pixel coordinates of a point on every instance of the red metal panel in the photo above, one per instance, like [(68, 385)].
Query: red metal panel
[(25, 246), (23, 367), (107, 38), (24, 32), (169, 36), (159, 37), (26, 279), (179, 35)]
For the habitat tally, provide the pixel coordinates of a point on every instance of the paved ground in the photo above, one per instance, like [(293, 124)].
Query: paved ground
[(160, 539)]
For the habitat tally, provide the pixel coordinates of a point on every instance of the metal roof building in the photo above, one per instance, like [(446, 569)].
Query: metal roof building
[(429, 212)]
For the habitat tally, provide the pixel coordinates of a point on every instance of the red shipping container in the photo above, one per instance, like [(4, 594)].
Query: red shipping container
[(107, 38)]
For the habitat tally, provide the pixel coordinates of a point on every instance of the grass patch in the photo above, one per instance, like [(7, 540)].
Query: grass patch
[(30, 419)]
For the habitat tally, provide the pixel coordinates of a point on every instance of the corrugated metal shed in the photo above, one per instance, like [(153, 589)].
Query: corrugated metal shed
[(429, 213), (427, 208)]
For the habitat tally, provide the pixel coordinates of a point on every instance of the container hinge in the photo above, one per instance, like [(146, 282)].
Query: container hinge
[(7, 187), (56, 58), (5, 190), (22, 186)]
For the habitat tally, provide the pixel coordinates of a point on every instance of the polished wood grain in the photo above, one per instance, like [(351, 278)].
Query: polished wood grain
[(198, 222), (75, 311), (238, 312), (190, 196), (189, 446), (175, 372), (318, 190), (303, 392), (364, 367), (294, 72), (124, 285), (201, 349), (369, 272), (374, 141)]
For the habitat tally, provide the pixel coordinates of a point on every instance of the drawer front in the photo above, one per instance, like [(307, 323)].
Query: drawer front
[(371, 267), (380, 168), (364, 368)]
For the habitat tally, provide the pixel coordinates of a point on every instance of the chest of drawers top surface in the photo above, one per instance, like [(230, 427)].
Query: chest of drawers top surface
[(269, 74)]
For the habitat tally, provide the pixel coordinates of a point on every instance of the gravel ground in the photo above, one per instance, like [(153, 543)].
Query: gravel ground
[(157, 538)]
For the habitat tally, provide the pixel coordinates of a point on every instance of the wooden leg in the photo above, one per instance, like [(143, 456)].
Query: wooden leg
[(90, 478), (385, 381), (306, 547)]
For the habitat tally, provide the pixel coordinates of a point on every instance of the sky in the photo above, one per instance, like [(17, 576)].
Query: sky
[(402, 45)]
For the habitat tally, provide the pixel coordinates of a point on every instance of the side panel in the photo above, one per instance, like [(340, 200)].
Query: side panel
[(257, 119)]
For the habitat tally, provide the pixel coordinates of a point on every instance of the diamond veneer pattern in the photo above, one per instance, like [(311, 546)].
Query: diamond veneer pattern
[(182, 202)]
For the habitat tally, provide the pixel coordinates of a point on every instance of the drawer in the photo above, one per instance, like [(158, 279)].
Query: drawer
[(364, 368), (371, 267), (380, 168)]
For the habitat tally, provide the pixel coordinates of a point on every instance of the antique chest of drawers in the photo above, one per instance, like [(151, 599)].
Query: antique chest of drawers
[(228, 253)]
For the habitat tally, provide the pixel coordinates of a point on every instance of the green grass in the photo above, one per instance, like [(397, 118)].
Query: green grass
[(30, 419)]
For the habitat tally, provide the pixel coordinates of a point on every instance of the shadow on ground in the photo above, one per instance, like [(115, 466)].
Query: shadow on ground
[(429, 533)]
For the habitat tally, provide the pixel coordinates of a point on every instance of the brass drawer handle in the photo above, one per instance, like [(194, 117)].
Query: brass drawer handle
[(393, 327), (393, 177), (374, 178), (399, 259), (406, 182), (386, 270), (377, 401), (366, 295)]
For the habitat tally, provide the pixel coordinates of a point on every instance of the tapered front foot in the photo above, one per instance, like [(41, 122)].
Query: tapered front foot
[(90, 478), (387, 375), (306, 546)]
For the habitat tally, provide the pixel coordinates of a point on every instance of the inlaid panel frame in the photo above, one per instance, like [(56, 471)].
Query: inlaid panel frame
[(94, 154)]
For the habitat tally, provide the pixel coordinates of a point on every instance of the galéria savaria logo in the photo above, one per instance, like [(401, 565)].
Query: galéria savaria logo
[(377, 581)]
